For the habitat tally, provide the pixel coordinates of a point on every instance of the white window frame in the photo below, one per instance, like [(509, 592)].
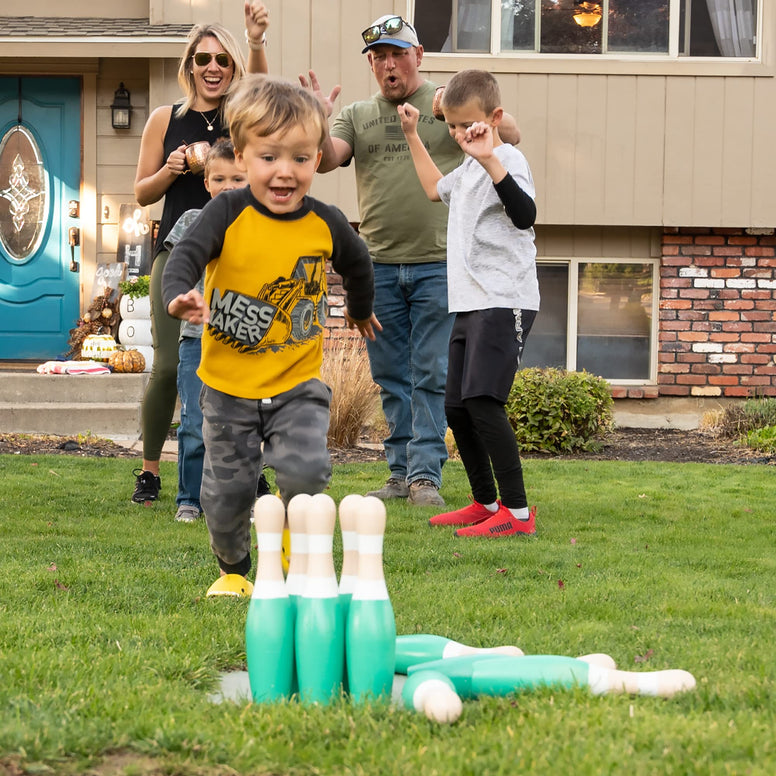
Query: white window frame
[(573, 262), (671, 57)]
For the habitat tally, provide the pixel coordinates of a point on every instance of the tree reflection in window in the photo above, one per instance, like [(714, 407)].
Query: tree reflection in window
[(716, 28)]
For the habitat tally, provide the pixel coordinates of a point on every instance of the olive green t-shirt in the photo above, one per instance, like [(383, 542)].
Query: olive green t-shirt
[(398, 222)]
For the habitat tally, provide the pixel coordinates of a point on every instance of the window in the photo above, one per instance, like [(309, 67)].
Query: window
[(705, 28), (598, 316)]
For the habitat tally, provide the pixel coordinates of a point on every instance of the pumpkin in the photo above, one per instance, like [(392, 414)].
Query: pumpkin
[(126, 361), (98, 347)]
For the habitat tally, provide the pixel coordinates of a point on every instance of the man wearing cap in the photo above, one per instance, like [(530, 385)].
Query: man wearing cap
[(406, 236)]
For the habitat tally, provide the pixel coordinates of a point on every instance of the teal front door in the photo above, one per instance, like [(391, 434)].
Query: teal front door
[(40, 174)]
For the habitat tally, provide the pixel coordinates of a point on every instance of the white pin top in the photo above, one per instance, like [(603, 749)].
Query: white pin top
[(269, 518)]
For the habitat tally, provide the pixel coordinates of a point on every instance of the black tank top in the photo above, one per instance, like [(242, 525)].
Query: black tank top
[(187, 191)]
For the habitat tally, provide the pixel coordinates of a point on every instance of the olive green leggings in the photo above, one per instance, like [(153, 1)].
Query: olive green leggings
[(161, 392)]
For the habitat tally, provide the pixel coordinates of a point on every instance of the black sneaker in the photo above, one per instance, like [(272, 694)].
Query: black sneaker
[(147, 487)]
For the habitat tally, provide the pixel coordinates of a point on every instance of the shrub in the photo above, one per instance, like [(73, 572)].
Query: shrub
[(762, 439), (556, 411), (345, 370), (737, 420)]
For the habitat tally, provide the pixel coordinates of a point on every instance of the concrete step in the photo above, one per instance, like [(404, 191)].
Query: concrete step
[(104, 405)]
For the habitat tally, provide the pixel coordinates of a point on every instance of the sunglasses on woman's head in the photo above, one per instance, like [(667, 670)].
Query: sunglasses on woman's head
[(388, 27), (202, 58)]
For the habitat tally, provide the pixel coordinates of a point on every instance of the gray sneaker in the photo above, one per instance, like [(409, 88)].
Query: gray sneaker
[(187, 513), (394, 488), (423, 493)]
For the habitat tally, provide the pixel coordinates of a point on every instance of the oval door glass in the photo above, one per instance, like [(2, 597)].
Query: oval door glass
[(23, 194)]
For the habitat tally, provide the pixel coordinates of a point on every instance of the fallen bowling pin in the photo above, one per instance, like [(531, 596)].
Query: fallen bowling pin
[(269, 626), (599, 659), (416, 648), (434, 694), (496, 675)]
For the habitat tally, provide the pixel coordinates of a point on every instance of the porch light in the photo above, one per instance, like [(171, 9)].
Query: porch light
[(121, 109), (589, 14)]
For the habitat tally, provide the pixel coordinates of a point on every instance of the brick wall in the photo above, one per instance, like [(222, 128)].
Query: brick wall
[(717, 328), (717, 333)]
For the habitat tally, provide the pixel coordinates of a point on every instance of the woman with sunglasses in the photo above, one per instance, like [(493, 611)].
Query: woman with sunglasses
[(211, 64)]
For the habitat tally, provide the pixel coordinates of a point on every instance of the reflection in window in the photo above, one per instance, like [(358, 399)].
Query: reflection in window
[(614, 319), (546, 344), (23, 194), (706, 28), (604, 309)]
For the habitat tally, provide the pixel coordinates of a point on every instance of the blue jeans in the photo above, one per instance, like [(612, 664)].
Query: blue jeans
[(191, 448), (408, 360)]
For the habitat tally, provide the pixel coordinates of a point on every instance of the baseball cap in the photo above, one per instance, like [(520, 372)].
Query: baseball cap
[(396, 32)]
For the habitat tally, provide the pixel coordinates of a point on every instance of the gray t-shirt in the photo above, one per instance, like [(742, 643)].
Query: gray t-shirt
[(490, 262), (178, 230), (398, 222)]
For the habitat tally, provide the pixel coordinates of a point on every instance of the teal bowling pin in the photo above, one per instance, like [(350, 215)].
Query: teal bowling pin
[(475, 675), (348, 518), (320, 631), (434, 694), (297, 565), (424, 647), (370, 634), (269, 626), (297, 530)]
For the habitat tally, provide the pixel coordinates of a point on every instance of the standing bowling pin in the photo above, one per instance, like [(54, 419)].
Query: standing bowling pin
[(348, 518), (269, 627), (433, 694), (501, 675), (425, 647), (370, 635), (297, 563), (297, 529), (320, 630)]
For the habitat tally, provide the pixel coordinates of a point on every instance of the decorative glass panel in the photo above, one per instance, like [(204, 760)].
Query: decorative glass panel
[(24, 197)]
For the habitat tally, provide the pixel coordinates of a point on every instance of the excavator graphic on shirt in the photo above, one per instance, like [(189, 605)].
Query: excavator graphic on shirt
[(285, 312)]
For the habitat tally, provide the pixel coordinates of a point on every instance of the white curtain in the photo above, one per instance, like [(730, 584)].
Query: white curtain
[(733, 22)]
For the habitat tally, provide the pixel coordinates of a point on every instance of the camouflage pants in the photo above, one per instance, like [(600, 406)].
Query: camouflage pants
[(287, 431)]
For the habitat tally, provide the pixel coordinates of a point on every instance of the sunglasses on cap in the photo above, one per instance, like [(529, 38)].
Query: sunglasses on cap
[(388, 27), (202, 58)]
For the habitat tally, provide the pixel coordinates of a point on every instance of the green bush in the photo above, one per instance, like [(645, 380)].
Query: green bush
[(556, 411), (753, 414), (762, 439)]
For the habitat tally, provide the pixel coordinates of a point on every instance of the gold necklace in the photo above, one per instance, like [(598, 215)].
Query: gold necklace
[(209, 122)]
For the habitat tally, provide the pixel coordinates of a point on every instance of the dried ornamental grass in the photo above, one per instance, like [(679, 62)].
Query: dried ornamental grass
[(345, 370)]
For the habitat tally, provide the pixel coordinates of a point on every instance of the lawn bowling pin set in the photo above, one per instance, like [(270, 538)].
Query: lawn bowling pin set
[(309, 636), (333, 635)]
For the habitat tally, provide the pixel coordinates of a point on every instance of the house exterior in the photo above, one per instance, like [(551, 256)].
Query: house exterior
[(648, 125)]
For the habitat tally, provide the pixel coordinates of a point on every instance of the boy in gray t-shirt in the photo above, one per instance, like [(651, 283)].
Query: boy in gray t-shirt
[(494, 293)]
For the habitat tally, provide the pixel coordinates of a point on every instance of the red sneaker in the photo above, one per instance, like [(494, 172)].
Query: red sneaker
[(503, 523), (471, 515)]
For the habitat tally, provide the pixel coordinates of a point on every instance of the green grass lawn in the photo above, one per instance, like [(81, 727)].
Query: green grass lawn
[(109, 648)]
